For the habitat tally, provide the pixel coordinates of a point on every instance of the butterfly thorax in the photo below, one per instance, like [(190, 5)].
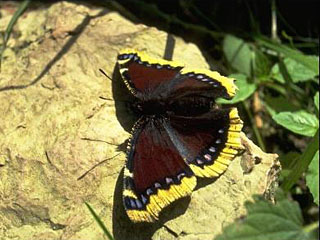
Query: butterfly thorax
[(152, 107), (191, 106)]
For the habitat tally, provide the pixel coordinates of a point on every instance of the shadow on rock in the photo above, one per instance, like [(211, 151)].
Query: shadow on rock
[(123, 99), (75, 34)]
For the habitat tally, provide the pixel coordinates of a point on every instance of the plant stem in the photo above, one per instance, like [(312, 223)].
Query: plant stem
[(23, 6), (99, 221), (255, 129), (302, 164), (274, 34), (311, 227)]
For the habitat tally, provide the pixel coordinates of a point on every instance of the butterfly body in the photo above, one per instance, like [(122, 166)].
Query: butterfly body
[(190, 106), (179, 134)]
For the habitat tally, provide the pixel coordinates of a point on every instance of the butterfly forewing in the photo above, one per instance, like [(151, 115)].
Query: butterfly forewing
[(150, 78), (143, 75)]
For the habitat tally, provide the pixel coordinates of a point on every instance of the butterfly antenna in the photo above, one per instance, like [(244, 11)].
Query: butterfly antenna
[(104, 73), (98, 140), (103, 161)]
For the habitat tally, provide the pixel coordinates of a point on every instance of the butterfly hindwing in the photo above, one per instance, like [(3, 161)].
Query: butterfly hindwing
[(155, 173), (210, 141)]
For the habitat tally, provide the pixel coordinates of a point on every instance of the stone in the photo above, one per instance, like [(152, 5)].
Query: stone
[(60, 117)]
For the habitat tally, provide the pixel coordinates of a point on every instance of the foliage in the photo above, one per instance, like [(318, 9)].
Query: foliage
[(265, 221), (297, 71), (313, 177), (290, 68), (286, 82), (316, 101), (245, 89), (300, 122), (238, 54)]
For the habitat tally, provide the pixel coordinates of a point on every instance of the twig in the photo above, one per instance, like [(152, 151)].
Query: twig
[(83, 175), (274, 34), (98, 140)]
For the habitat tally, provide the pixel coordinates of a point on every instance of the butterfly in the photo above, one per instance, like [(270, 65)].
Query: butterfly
[(180, 134)]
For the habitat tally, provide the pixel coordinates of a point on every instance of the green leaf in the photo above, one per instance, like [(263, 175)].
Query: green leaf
[(261, 64), (302, 164), (100, 223), (297, 71), (22, 7), (299, 122), (278, 104), (313, 177), (245, 89), (265, 221), (310, 62), (316, 100), (238, 54)]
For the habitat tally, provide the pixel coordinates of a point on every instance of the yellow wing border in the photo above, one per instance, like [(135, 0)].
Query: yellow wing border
[(232, 147)]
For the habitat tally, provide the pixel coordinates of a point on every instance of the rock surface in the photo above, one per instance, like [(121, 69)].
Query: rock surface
[(60, 116)]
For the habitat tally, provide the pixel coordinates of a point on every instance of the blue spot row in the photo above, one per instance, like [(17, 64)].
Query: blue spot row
[(204, 78), (140, 203), (207, 157)]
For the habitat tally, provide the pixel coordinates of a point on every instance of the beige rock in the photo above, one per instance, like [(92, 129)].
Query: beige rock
[(54, 127)]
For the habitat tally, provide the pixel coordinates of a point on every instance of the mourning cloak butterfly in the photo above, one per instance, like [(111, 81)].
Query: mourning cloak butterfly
[(179, 135)]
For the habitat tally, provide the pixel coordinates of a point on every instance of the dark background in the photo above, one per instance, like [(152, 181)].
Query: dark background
[(297, 18)]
